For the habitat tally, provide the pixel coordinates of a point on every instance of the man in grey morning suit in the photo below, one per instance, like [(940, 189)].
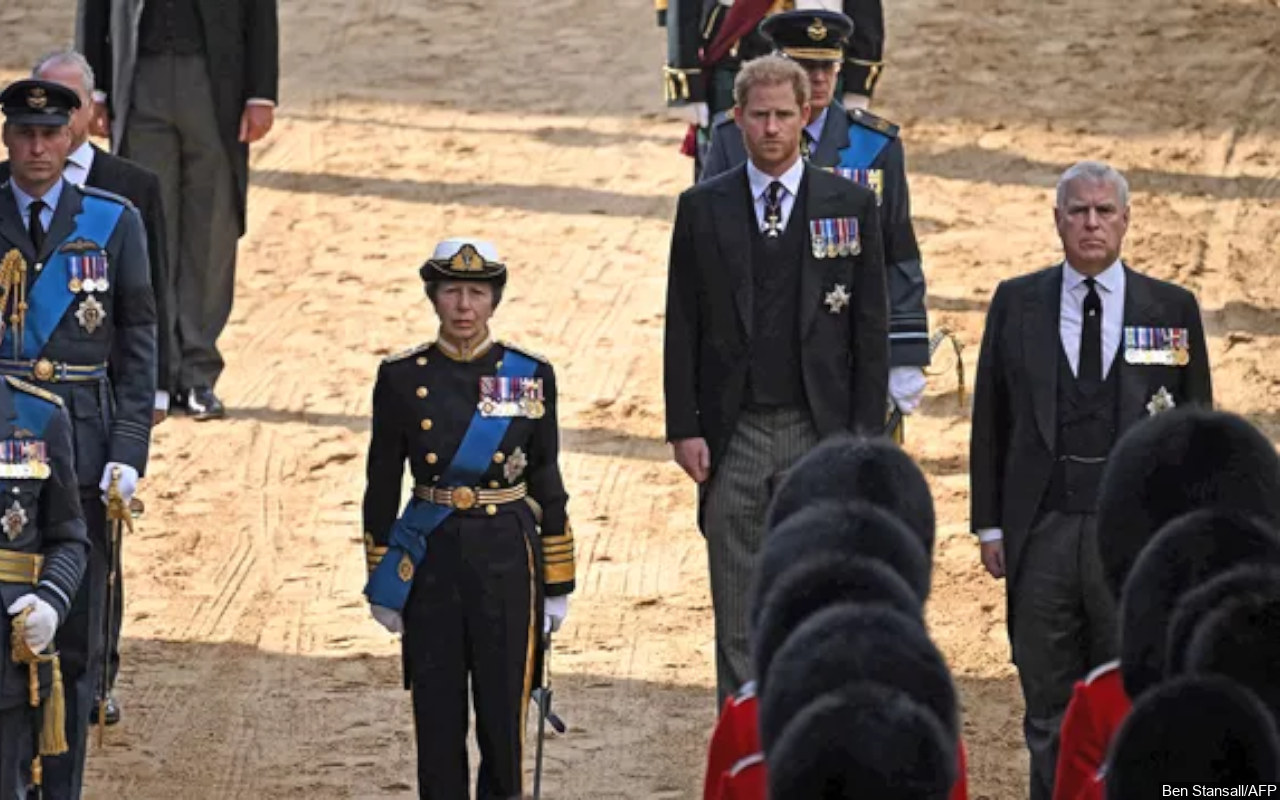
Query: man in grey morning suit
[(776, 332), (1072, 357)]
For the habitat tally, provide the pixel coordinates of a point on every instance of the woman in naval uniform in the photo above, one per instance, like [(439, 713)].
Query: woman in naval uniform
[(479, 564)]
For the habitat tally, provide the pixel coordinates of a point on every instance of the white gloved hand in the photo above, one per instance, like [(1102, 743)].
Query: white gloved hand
[(693, 113), (554, 612), (852, 100), (391, 620), (42, 623), (906, 387), (128, 480)]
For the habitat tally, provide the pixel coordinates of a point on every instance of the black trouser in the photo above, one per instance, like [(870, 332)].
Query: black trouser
[(1063, 625), (172, 129), (79, 642), (17, 746), (474, 612)]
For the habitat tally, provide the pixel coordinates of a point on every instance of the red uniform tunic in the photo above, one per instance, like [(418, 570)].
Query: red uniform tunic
[(1098, 706)]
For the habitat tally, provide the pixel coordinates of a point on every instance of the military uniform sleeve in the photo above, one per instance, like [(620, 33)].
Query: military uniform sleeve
[(546, 487), (870, 329), (863, 59), (133, 349), (384, 470), (683, 73), (63, 537), (717, 158), (908, 319)]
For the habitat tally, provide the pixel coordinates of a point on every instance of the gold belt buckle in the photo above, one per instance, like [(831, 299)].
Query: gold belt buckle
[(43, 370), (463, 498)]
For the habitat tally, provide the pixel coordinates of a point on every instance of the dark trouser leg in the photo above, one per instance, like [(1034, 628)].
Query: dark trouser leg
[(117, 621), (436, 665), (764, 444), (173, 102), (1055, 640), (17, 746), (501, 594), (79, 641)]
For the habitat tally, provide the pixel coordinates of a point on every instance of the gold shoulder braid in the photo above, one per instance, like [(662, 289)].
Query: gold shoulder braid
[(31, 388), (53, 740), (412, 351), (13, 296)]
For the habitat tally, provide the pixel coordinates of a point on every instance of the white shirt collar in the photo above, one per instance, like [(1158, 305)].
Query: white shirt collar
[(24, 200), (1109, 280), (815, 128), (79, 163), (760, 181)]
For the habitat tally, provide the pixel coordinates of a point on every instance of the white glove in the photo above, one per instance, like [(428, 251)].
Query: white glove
[(554, 612), (162, 400), (852, 100), (391, 620), (693, 113), (906, 387), (128, 480), (41, 624)]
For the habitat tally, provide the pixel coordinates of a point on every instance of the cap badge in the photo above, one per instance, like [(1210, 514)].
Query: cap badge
[(467, 260), (817, 31), (36, 98)]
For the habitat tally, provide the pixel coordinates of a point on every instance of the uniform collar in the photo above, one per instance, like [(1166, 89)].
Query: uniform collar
[(456, 353), (815, 128), (50, 198)]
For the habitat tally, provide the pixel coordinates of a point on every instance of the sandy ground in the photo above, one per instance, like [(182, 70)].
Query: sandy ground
[(251, 667)]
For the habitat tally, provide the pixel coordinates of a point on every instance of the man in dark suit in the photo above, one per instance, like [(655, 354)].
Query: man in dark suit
[(860, 146), (189, 85), (76, 292), (1073, 356), (776, 332)]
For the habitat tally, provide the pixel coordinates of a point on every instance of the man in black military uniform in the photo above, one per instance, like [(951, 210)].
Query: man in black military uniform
[(865, 148), (709, 40), (42, 558), (75, 288), (483, 550)]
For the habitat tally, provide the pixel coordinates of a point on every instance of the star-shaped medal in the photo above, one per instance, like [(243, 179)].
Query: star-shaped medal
[(1160, 401), (90, 314), (515, 465), (837, 298), (15, 519)]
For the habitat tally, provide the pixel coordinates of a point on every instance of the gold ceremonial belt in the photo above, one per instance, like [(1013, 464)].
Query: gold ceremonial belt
[(48, 371), (20, 567), (465, 497)]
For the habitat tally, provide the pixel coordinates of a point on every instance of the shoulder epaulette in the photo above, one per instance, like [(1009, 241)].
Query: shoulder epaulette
[(32, 389), (522, 351), (105, 195), (723, 118), (868, 120), (1100, 670), (412, 351)]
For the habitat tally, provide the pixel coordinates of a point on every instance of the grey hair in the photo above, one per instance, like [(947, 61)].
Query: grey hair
[(1093, 171), (67, 57)]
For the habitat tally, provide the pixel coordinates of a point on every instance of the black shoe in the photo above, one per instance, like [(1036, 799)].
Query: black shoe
[(201, 404), (113, 712)]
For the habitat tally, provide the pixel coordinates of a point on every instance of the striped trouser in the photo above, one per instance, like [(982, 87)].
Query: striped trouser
[(764, 444)]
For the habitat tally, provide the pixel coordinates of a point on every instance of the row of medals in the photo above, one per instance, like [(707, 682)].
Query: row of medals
[(89, 275), (23, 459), (835, 237)]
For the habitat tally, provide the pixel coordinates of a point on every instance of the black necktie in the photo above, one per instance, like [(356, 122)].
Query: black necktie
[(1091, 338), (773, 210), (35, 229)]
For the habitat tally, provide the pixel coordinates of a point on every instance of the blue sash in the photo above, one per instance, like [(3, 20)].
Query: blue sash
[(389, 584), (865, 146), (50, 297), (33, 412)]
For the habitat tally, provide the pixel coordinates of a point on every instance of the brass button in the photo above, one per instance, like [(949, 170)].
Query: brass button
[(491, 509), (435, 478), (493, 484), (499, 457), (43, 370), (463, 498), (499, 365), (426, 424), (422, 391), (422, 361), (432, 458)]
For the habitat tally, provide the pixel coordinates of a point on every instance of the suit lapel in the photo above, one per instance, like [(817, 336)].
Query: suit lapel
[(1041, 342), (11, 225), (64, 221), (1139, 305), (94, 178), (817, 206), (835, 135), (733, 224)]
